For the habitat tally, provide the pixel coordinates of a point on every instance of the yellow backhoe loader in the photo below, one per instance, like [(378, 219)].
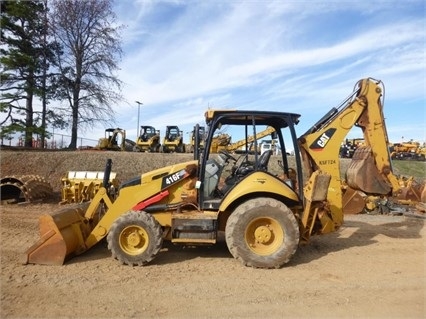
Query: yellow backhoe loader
[(148, 140), (264, 214)]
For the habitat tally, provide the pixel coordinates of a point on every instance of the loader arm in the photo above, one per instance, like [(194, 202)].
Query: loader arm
[(72, 231), (153, 187), (320, 146)]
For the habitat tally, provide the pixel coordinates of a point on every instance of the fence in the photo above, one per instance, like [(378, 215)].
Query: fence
[(56, 141)]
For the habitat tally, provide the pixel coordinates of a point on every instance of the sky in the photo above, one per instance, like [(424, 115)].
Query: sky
[(182, 57)]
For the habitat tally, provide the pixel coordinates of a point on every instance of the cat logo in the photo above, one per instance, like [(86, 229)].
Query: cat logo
[(321, 142)]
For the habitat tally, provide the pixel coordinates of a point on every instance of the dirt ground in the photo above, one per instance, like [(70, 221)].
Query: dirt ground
[(374, 267)]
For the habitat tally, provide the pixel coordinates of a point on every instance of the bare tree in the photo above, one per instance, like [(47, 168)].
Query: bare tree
[(90, 51)]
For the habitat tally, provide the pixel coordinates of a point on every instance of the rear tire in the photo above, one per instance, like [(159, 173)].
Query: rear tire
[(262, 233), (135, 238)]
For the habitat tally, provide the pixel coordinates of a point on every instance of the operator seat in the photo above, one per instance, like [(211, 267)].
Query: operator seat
[(249, 167), (264, 160), (211, 178)]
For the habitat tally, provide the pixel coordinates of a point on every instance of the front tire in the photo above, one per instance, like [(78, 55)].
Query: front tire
[(135, 238), (262, 233)]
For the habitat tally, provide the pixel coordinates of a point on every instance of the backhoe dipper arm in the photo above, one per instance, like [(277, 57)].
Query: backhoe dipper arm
[(320, 145)]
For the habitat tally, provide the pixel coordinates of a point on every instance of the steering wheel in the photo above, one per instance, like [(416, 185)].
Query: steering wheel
[(244, 160), (227, 155)]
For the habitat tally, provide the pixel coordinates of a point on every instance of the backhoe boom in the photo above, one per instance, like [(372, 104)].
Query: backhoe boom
[(371, 170)]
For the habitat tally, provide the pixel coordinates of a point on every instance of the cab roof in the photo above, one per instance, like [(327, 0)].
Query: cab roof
[(243, 117)]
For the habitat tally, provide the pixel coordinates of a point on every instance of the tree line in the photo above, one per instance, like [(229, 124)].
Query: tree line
[(63, 55)]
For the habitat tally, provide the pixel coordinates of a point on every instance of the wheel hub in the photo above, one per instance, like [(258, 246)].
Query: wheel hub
[(134, 239), (262, 234)]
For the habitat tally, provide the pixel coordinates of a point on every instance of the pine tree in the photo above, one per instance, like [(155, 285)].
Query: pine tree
[(24, 55)]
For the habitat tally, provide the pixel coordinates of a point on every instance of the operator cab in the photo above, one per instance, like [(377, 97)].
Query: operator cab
[(172, 133), (147, 132), (225, 166)]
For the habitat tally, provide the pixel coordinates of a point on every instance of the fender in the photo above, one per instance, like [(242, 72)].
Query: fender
[(255, 183)]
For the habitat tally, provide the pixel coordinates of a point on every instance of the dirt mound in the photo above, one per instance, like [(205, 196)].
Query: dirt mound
[(53, 165)]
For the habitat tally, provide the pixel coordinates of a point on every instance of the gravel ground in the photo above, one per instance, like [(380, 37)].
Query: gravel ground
[(373, 267)]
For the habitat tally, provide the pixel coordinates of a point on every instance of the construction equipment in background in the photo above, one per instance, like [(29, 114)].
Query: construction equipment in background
[(82, 186), (220, 142), (201, 138), (223, 142), (114, 140), (267, 145), (249, 143), (349, 147), (148, 140), (264, 214), (24, 189), (173, 140), (421, 153), (408, 151)]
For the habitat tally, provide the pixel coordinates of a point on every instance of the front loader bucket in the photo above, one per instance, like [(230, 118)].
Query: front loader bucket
[(363, 175), (62, 235)]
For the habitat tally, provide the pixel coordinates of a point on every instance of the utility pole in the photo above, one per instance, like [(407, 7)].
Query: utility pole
[(139, 109)]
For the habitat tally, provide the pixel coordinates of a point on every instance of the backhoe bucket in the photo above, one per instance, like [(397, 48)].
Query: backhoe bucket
[(363, 175), (62, 235)]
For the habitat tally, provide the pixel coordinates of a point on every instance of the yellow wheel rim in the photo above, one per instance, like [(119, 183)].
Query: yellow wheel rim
[(134, 240), (264, 236)]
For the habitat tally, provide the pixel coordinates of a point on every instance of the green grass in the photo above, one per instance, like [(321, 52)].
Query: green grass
[(416, 169)]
